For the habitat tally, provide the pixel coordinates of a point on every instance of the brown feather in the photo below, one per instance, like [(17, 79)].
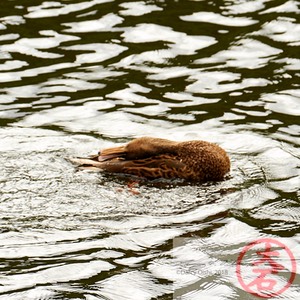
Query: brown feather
[(159, 158)]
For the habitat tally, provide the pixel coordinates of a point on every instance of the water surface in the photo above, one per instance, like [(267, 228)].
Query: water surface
[(78, 76)]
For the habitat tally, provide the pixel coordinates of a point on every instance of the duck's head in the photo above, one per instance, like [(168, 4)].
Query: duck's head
[(139, 148)]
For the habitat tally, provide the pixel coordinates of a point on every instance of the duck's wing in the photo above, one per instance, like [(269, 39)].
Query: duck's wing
[(111, 153), (155, 167)]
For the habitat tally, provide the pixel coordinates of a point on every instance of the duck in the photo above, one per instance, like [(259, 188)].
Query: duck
[(155, 158)]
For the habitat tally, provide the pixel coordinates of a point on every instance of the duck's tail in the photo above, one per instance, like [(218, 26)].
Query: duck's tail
[(91, 163)]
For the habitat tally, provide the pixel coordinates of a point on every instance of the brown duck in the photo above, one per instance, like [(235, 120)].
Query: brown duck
[(160, 158)]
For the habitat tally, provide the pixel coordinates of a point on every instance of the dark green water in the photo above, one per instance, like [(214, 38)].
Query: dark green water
[(78, 76)]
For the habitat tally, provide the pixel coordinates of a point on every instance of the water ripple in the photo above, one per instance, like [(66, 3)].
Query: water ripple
[(210, 17), (79, 76)]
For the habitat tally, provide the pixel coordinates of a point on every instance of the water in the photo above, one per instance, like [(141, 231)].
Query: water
[(77, 76)]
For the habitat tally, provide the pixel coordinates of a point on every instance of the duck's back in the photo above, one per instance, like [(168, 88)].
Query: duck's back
[(206, 161)]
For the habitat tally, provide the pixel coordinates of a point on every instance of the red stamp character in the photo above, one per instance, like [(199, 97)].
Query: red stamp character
[(260, 281)]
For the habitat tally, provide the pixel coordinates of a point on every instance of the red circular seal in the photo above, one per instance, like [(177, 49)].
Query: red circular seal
[(258, 274)]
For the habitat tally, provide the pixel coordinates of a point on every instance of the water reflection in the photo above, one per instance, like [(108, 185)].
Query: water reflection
[(77, 76)]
